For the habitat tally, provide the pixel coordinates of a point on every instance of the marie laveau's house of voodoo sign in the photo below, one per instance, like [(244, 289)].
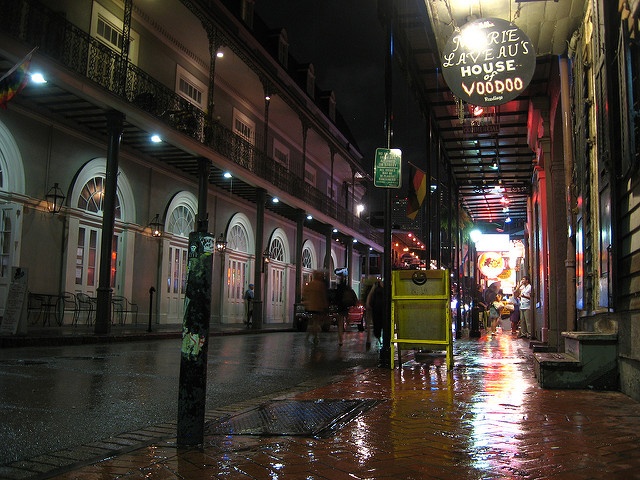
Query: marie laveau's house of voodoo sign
[(488, 62)]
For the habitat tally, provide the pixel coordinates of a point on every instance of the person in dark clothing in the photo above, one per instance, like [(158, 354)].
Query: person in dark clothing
[(375, 304), (248, 305), (316, 303), (345, 298)]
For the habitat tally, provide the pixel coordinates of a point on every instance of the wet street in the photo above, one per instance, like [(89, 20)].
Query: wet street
[(282, 408), (53, 398)]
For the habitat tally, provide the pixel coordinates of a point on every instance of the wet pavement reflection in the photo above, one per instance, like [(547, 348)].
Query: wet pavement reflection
[(484, 419)]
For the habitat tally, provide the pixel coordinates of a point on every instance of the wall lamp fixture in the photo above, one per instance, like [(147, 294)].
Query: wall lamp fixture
[(55, 199), (221, 245), (156, 226)]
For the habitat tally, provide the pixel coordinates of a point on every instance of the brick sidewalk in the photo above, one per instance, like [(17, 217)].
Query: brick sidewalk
[(487, 418)]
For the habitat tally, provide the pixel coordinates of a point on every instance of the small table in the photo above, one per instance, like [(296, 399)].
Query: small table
[(47, 304)]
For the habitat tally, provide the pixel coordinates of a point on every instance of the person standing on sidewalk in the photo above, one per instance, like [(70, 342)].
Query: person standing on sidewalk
[(525, 308), (514, 316), (248, 305)]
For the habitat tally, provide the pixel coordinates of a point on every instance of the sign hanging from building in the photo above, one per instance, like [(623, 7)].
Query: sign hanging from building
[(387, 172), (489, 61)]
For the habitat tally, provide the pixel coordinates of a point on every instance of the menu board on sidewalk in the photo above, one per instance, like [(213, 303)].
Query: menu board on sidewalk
[(14, 318)]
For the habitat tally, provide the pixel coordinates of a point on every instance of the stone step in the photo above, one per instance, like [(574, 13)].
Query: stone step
[(557, 360), (588, 362)]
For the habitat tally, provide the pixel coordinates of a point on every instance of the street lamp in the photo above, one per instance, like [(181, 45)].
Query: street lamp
[(55, 199), (221, 245), (156, 226), (266, 258), (475, 235)]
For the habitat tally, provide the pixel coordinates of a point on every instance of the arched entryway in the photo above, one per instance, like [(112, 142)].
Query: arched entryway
[(179, 222), (238, 271), (277, 278)]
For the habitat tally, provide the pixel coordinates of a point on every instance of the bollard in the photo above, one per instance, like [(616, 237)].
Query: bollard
[(475, 323), (151, 291)]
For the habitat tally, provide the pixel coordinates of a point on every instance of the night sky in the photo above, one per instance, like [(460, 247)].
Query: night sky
[(346, 43)]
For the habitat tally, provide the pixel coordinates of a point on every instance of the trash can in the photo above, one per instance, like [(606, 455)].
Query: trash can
[(301, 318)]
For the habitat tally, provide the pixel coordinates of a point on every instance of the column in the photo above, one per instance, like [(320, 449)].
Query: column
[(103, 306), (258, 308)]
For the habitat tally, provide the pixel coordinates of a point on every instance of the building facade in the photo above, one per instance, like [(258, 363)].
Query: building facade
[(583, 257), (247, 147)]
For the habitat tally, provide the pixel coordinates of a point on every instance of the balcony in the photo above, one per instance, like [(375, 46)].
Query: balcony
[(148, 103)]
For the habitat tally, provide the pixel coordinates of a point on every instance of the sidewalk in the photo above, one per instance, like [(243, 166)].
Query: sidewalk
[(83, 334), (485, 419)]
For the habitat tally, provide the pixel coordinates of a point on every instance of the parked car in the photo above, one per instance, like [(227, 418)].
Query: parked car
[(355, 317)]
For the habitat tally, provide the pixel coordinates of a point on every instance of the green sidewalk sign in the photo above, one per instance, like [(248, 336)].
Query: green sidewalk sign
[(387, 171)]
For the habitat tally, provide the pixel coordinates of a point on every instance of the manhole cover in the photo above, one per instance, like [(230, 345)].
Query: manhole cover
[(315, 418)]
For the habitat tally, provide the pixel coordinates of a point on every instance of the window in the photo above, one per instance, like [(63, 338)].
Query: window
[(238, 239), (280, 153), (276, 252), (181, 221), (310, 175), (5, 245), (92, 197), (330, 190), (109, 34), (108, 28), (244, 127), (87, 264), (307, 258), (190, 88), (237, 268)]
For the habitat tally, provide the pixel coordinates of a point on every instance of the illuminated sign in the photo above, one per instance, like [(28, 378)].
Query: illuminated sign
[(491, 264), (488, 62), (387, 169)]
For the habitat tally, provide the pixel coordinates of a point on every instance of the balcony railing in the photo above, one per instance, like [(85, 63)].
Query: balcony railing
[(34, 24)]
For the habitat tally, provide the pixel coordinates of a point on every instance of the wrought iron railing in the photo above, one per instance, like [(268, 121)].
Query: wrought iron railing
[(35, 24)]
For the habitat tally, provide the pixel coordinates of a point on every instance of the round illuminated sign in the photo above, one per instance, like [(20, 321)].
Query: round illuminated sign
[(488, 62), (491, 264)]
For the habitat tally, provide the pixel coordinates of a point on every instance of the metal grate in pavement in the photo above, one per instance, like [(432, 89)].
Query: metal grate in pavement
[(313, 418)]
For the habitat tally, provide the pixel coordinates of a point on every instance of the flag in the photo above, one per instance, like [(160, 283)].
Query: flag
[(15, 80), (417, 191)]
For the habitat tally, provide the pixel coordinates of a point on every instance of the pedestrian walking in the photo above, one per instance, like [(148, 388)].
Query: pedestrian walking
[(316, 302), (495, 311), (375, 304), (345, 299)]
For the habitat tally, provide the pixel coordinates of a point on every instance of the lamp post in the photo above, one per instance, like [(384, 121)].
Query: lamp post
[(157, 228)]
